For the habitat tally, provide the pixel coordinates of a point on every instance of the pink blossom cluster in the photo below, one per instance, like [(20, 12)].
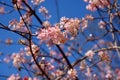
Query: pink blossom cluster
[(59, 33), (18, 58), (44, 12), (15, 25), (72, 73), (93, 4), (20, 25), (90, 54), (35, 49), (52, 33), (72, 25)]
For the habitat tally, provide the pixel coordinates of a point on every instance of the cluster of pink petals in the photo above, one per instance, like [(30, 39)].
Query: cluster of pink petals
[(44, 12), (15, 25), (59, 33), (20, 25), (18, 58), (89, 54), (35, 50), (71, 25), (72, 73), (52, 33), (93, 4), (84, 23)]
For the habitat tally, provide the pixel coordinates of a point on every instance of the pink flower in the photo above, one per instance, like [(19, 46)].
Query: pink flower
[(44, 12), (96, 3), (84, 23), (89, 17), (91, 7), (52, 33), (109, 76), (35, 50), (46, 24), (72, 73), (83, 65), (18, 58), (72, 26), (90, 54)]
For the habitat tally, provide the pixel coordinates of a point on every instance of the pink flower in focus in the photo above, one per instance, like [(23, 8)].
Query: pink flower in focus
[(72, 26), (43, 10), (93, 4), (52, 33)]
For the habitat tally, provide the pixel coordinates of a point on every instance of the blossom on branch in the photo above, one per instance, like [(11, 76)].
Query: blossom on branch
[(52, 33), (94, 4)]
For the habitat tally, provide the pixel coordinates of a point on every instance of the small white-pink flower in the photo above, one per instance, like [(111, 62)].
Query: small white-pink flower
[(72, 73), (90, 54), (102, 24)]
